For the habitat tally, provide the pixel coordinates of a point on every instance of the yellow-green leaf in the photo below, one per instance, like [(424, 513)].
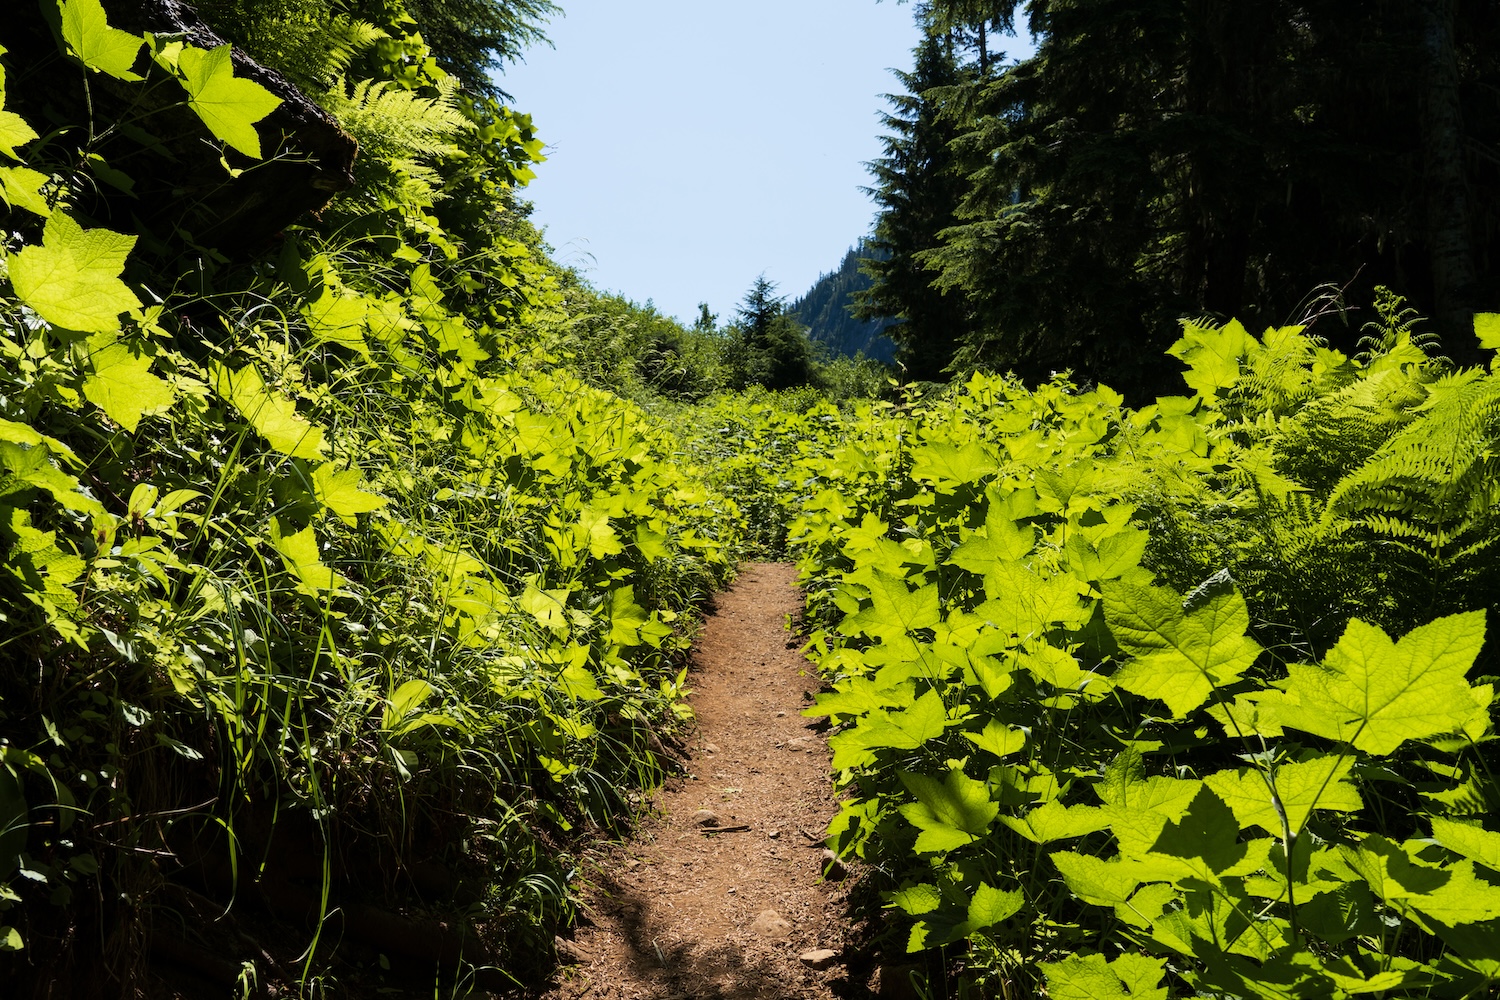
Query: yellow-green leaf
[(274, 417), (1321, 783), (21, 187), (73, 279), (13, 132), (299, 551), (1487, 329), (95, 43), (122, 384), (338, 490), (1377, 694), (229, 106)]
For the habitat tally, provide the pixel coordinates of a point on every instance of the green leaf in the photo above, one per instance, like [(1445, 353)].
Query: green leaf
[(1472, 841), (1179, 656), (404, 700), (1207, 836), (950, 467), (1487, 329), (10, 939), (1462, 899), (73, 279), (1024, 603), (1001, 539), (1320, 783), (95, 43), (23, 434), (998, 738), (944, 921), (14, 132), (1128, 977), (918, 899), (1096, 881), (596, 534), (1212, 356), (1377, 694), (859, 695), (990, 906), (21, 187), (338, 490), (272, 416), (122, 384), (1055, 821), (229, 106), (300, 553), (950, 813), (1392, 872), (924, 720), (548, 607), (1138, 807), (896, 609), (338, 318), (626, 617)]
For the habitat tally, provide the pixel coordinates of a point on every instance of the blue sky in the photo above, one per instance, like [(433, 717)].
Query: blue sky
[(695, 144)]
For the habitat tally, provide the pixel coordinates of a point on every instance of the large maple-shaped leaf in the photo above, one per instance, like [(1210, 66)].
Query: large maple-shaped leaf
[(1178, 656), (895, 609), (1025, 603), (1055, 821), (1001, 539), (1128, 977), (122, 384), (950, 813), (1321, 783), (338, 490), (73, 279), (95, 43), (299, 552), (924, 720), (986, 907), (1473, 842), (1463, 899), (1377, 694), (228, 105), (1212, 356), (951, 467)]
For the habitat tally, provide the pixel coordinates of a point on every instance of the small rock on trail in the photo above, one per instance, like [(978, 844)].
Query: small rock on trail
[(716, 917)]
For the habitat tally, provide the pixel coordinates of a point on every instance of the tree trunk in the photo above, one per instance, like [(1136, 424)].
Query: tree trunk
[(1449, 241)]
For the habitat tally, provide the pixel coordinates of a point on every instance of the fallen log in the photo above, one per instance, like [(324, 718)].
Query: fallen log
[(181, 188)]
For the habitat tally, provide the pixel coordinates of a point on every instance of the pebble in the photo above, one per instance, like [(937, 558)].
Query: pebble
[(770, 924), (822, 958), (706, 817), (773, 834)]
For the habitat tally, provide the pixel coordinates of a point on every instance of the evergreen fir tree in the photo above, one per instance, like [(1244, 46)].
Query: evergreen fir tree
[(919, 187)]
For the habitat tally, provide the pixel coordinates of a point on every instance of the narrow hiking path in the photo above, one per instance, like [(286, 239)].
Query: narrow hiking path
[(678, 913)]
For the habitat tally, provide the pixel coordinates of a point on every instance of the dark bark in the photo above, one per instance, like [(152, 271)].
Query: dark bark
[(1455, 281)]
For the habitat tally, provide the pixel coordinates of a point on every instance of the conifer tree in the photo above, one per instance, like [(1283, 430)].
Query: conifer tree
[(768, 346), (919, 187)]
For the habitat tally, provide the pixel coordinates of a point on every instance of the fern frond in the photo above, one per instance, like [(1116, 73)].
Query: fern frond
[(403, 139), (1435, 479)]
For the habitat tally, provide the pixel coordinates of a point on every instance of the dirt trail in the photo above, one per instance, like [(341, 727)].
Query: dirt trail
[(680, 914)]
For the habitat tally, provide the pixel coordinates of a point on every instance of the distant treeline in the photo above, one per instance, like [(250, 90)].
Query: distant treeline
[(1156, 160)]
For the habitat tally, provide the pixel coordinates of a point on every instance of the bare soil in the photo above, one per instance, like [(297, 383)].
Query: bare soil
[(683, 913)]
